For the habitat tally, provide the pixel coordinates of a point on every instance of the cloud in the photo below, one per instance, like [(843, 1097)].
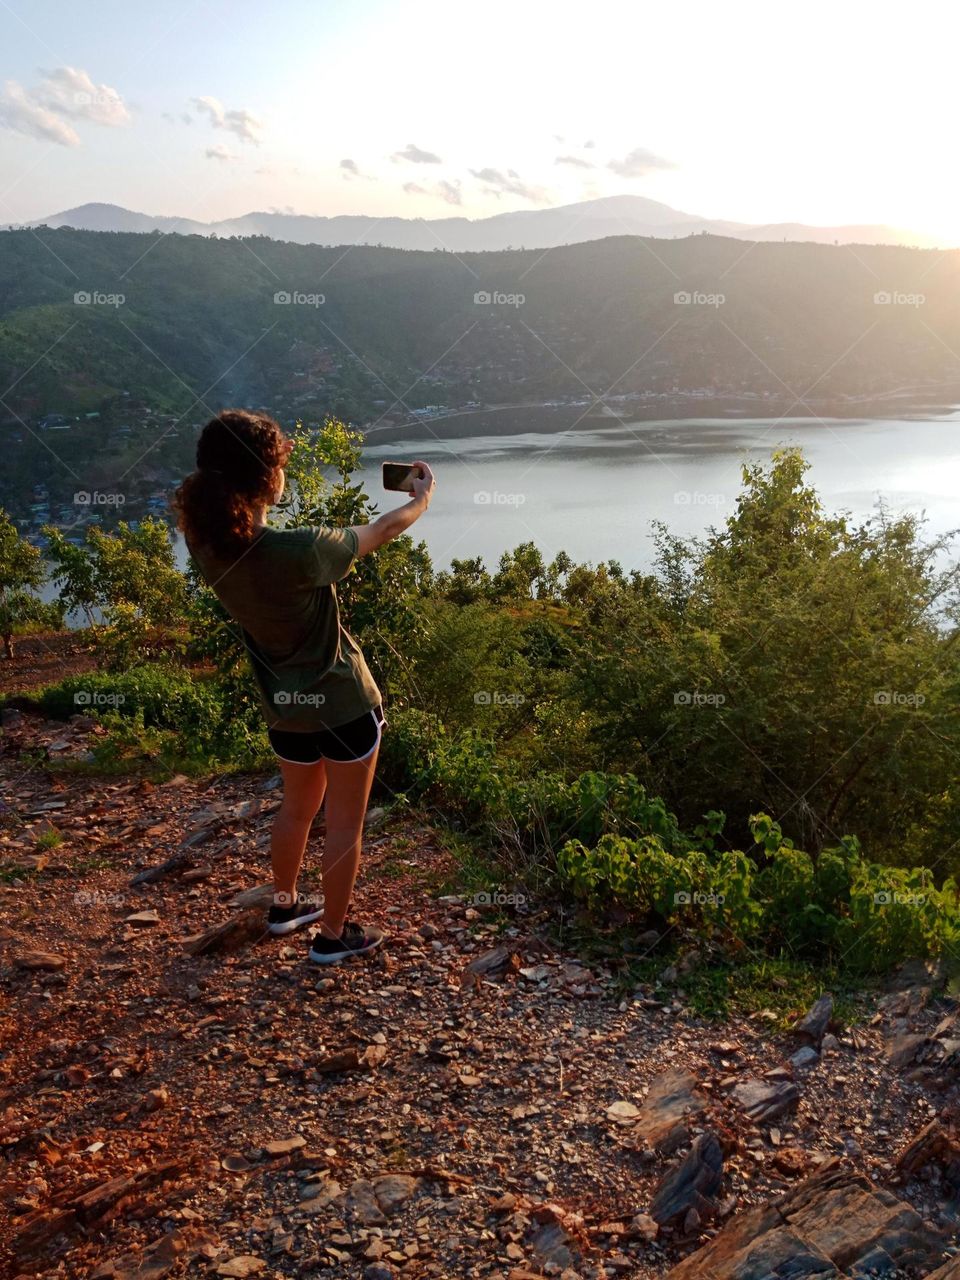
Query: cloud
[(220, 153), (498, 183), (245, 125), (349, 169), (63, 95), (575, 161), (416, 155), (639, 163), (449, 192), (70, 92), (19, 112)]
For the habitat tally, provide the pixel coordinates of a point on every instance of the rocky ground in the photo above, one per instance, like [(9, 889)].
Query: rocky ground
[(182, 1095)]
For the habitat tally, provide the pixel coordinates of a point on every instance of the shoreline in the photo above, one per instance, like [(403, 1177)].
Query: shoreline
[(549, 419)]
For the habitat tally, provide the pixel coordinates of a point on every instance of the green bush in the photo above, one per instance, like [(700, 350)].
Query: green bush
[(193, 718), (836, 908)]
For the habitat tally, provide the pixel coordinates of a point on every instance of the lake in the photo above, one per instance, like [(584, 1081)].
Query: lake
[(594, 491)]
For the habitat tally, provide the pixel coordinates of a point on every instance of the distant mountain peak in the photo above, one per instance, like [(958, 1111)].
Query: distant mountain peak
[(528, 228)]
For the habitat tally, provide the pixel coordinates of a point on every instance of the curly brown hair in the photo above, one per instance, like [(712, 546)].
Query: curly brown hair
[(239, 458)]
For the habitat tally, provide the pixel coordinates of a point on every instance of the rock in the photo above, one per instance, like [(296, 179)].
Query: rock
[(235, 1163), (491, 964), (917, 975), (379, 1271), (765, 1100), (834, 1223), (283, 1146), (792, 1162), (231, 935), (932, 1145), (328, 1191), (550, 1242), (428, 932), (392, 1190), (691, 1184), (622, 1112), (813, 1027), (142, 919), (351, 1060), (261, 895), (644, 1227), (949, 1271), (40, 961), (244, 1264), (830, 1044), (156, 1099), (360, 1201), (804, 1058), (158, 1259), (660, 1124), (905, 1049)]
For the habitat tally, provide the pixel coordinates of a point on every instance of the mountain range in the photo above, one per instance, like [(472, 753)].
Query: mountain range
[(517, 229)]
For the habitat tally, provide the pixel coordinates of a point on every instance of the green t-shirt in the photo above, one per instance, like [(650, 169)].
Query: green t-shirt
[(310, 671)]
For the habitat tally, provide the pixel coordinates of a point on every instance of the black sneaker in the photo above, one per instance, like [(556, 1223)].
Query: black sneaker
[(353, 941), (285, 919)]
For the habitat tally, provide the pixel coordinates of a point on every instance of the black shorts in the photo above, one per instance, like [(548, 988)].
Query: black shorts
[(348, 742)]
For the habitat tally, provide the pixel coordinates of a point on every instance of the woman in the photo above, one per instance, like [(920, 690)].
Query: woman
[(322, 706)]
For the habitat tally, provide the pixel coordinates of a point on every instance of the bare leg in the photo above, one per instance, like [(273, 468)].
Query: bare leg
[(303, 790), (347, 797)]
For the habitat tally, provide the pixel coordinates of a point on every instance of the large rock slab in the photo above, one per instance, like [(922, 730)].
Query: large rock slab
[(949, 1271), (812, 1028), (662, 1121), (691, 1184), (764, 1100), (836, 1223)]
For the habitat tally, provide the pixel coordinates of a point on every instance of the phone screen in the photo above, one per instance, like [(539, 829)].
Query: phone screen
[(398, 475)]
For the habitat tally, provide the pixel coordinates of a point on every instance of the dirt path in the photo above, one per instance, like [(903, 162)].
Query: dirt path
[(429, 1118)]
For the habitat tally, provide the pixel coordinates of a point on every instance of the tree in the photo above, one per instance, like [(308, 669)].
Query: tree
[(126, 582), (22, 574), (792, 662)]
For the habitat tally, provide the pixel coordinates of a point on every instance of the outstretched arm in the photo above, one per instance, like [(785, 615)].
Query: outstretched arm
[(392, 523)]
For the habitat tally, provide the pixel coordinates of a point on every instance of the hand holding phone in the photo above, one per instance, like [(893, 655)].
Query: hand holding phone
[(415, 478)]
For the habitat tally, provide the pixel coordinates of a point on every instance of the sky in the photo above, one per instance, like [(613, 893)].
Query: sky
[(823, 113)]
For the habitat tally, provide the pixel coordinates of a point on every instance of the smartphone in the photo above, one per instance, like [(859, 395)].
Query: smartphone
[(398, 475)]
